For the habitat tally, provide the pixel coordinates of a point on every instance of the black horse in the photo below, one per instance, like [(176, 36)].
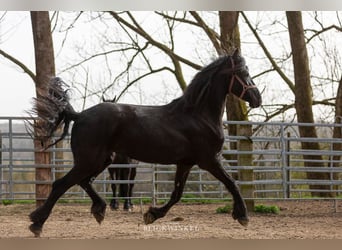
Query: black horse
[(185, 132), (122, 173)]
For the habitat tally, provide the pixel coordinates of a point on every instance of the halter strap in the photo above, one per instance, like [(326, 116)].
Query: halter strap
[(233, 70), (245, 87)]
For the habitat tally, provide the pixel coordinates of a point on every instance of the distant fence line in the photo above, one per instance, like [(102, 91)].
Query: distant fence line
[(277, 166)]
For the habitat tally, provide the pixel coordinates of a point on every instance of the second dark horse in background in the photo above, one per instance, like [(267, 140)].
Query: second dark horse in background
[(187, 131), (124, 174)]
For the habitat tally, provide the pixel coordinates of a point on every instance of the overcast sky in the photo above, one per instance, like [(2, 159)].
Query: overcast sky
[(17, 89)]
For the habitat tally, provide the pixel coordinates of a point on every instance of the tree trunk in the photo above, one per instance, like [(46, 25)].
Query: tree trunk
[(230, 40), (236, 109), (337, 130), (45, 69), (303, 98)]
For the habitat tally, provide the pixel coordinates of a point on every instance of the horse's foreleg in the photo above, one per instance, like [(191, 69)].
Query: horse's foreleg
[(154, 213), (239, 208), (59, 187), (98, 208)]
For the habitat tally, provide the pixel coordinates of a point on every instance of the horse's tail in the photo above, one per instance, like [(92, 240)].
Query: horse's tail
[(50, 110)]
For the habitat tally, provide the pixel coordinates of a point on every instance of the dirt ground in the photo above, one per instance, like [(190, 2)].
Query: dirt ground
[(296, 220)]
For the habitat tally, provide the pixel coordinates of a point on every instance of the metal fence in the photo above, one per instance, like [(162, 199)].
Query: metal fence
[(278, 166)]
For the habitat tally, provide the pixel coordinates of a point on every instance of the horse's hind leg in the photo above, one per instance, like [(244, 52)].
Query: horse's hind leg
[(98, 209), (239, 208), (59, 187), (154, 213)]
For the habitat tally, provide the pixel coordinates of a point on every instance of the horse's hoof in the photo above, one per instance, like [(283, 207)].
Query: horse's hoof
[(243, 221), (99, 217), (98, 214), (240, 214), (36, 230), (149, 218), (114, 208), (128, 209)]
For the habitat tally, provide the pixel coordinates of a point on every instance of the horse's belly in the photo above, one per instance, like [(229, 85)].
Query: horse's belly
[(162, 153)]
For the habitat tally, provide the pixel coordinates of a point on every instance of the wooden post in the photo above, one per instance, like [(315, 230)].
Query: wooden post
[(45, 68), (59, 156), (43, 174), (0, 164), (247, 190)]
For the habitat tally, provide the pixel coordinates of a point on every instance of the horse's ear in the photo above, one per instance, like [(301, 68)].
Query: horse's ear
[(236, 52)]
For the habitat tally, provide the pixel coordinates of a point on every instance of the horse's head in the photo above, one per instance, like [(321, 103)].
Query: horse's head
[(241, 83)]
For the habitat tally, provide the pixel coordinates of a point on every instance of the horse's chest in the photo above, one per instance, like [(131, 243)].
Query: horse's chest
[(211, 141)]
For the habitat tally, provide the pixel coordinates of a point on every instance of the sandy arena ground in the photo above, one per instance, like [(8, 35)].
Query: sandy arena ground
[(296, 220)]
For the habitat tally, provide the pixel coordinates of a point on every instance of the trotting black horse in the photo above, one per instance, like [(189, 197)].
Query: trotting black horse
[(185, 132), (125, 189)]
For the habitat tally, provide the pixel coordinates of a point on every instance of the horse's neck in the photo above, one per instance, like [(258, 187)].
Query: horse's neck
[(215, 104), (214, 113)]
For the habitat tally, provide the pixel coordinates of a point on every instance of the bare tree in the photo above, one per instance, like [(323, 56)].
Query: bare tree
[(321, 53), (303, 96), (45, 69), (337, 133)]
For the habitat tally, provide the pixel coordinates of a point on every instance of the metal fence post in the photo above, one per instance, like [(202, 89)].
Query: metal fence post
[(154, 185), (10, 162), (287, 166), (283, 161)]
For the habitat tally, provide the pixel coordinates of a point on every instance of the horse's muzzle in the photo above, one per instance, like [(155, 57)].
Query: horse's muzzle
[(255, 98)]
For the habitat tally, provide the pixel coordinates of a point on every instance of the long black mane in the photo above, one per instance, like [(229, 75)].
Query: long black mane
[(198, 89)]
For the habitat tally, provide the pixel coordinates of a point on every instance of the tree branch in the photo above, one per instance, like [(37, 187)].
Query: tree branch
[(137, 29), (268, 54), (140, 77), (319, 32), (20, 64), (181, 20), (94, 56), (213, 36)]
